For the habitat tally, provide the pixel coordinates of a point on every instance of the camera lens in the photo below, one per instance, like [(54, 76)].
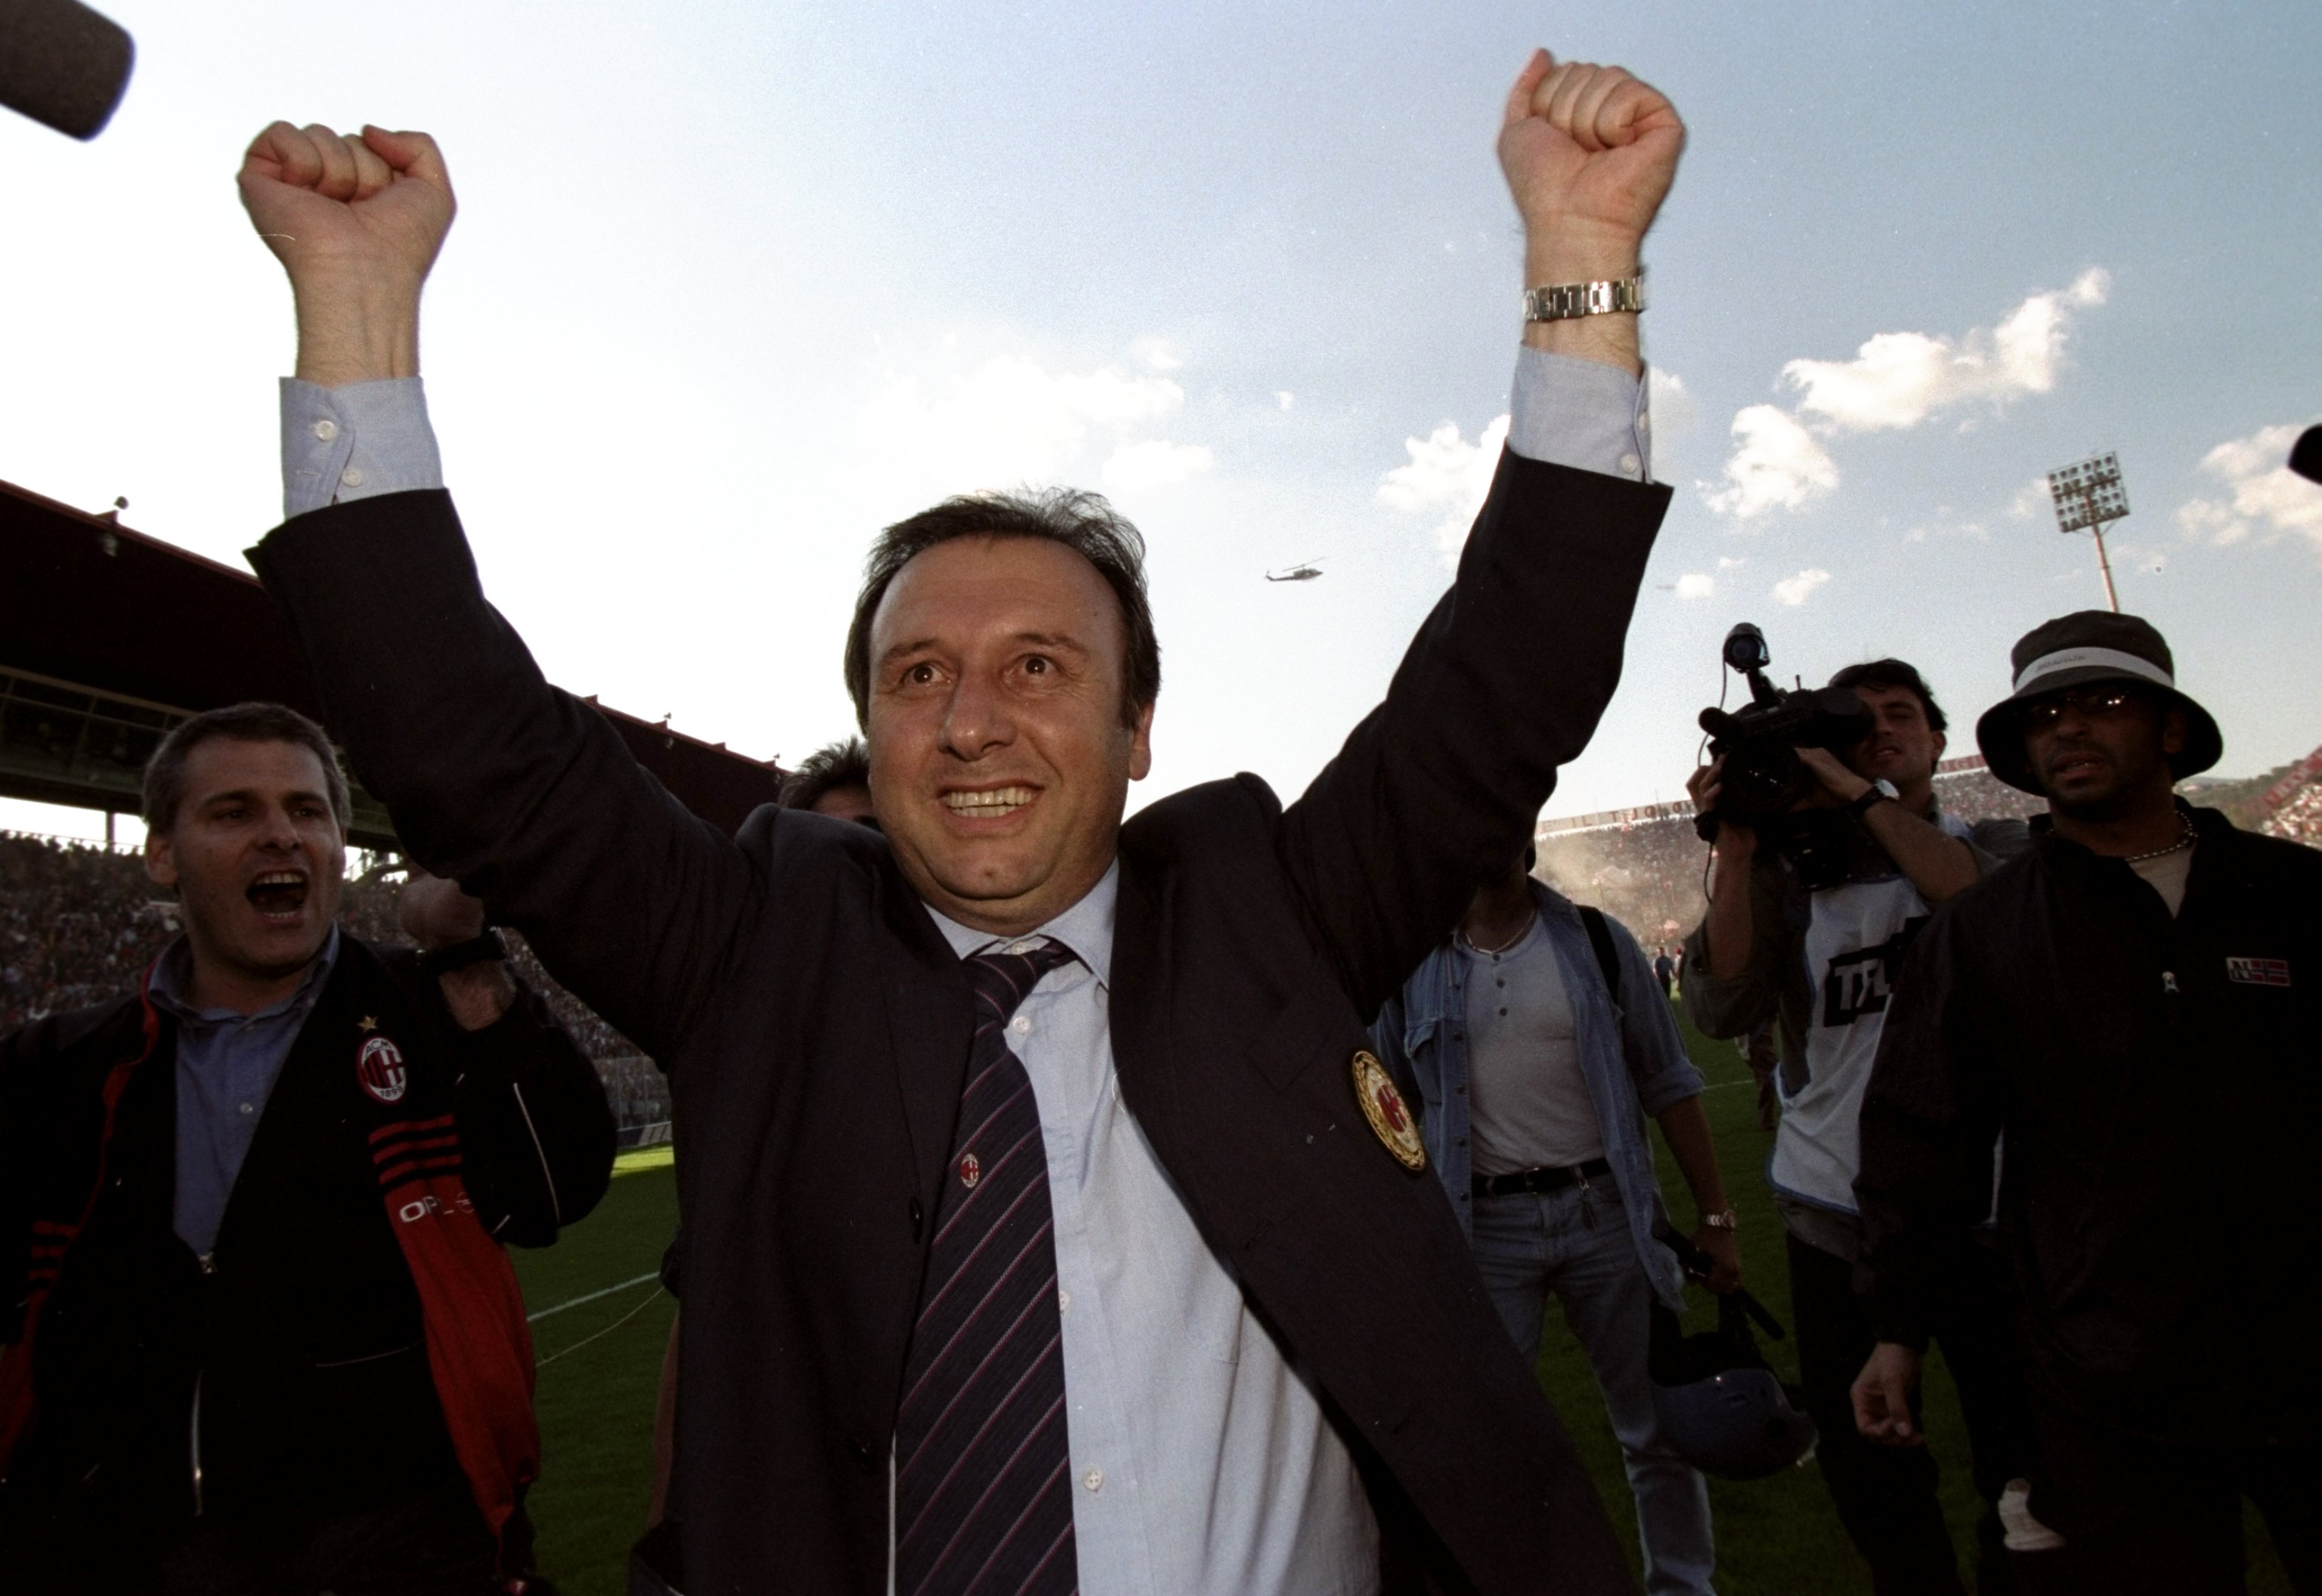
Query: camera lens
[(1762, 776)]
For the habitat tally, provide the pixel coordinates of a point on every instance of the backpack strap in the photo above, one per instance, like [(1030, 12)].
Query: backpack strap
[(1608, 958)]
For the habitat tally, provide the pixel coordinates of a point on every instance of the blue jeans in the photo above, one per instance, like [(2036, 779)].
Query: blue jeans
[(1576, 1243)]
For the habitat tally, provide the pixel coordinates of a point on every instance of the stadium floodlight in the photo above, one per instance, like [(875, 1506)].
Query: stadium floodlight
[(2088, 494)]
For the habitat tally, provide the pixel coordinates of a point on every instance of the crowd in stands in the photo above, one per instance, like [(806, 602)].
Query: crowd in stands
[(2300, 816), (1649, 874), (78, 924)]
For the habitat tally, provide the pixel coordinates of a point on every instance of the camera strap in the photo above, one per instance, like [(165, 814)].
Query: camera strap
[(1608, 958)]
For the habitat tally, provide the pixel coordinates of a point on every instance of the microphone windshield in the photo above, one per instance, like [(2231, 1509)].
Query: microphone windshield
[(2306, 454), (62, 64)]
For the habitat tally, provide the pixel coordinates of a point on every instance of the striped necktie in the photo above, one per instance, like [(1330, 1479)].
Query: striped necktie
[(982, 1502)]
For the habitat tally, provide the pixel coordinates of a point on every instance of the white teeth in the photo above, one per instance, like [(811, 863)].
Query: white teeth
[(996, 801), (280, 877)]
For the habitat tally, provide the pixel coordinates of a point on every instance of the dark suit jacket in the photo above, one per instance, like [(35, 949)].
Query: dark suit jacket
[(816, 1027)]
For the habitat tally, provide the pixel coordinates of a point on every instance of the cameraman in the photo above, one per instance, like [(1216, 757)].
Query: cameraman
[(1807, 926)]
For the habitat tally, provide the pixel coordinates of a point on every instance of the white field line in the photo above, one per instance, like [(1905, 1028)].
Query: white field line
[(591, 1297)]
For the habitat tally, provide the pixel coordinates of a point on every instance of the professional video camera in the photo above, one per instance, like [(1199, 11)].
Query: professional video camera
[(1764, 780)]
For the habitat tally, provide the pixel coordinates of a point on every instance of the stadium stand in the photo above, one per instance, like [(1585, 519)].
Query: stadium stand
[(108, 638), (1644, 866)]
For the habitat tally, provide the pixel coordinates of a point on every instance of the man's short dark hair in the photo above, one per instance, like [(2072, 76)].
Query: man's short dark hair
[(165, 772), (1084, 522), (1885, 676), (844, 763)]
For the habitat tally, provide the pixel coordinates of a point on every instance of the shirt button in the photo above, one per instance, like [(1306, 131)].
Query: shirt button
[(1020, 1025), (1630, 464), (327, 429), (1094, 1479), (352, 476), (1644, 420), (1064, 1301)]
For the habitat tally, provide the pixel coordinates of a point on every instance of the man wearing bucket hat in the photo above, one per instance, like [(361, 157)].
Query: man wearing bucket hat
[(2134, 1004)]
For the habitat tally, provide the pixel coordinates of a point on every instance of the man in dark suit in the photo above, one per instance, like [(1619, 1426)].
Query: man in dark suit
[(1049, 1224)]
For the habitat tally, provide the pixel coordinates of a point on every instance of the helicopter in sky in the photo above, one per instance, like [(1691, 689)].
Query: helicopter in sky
[(1305, 570)]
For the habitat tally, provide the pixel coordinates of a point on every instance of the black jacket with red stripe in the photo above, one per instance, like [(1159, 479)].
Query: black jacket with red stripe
[(356, 1336)]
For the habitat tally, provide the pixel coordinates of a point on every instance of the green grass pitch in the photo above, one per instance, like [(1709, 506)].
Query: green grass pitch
[(601, 1360)]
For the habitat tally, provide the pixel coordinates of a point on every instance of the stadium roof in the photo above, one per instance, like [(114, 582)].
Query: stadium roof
[(109, 637)]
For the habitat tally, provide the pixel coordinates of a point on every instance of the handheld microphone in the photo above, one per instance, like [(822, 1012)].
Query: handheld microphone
[(2306, 454), (62, 64)]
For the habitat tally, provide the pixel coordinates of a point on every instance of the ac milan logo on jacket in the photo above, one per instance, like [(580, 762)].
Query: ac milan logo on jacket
[(380, 1067), (971, 1169)]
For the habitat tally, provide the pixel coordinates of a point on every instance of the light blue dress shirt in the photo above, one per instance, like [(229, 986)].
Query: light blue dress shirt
[(228, 1064), (1200, 1462)]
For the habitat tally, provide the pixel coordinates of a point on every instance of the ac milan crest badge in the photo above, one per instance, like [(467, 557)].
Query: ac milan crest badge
[(380, 1067), (1390, 1118), (971, 1169)]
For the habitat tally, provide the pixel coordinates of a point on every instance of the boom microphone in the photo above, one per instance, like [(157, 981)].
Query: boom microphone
[(62, 64), (2306, 454)]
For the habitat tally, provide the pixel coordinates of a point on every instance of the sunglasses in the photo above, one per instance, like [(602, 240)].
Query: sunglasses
[(2088, 703)]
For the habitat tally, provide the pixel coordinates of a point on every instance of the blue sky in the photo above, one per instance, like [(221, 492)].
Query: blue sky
[(733, 285)]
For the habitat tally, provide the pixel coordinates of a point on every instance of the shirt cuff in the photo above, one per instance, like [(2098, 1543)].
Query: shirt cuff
[(1567, 410), (356, 441)]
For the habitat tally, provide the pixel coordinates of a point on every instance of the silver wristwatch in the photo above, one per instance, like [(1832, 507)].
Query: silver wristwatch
[(1566, 301)]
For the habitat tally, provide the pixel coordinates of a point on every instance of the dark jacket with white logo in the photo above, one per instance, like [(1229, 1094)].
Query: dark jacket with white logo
[(2159, 1081), (357, 1337)]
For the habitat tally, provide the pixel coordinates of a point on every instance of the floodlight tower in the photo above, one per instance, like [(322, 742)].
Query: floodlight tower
[(2088, 494)]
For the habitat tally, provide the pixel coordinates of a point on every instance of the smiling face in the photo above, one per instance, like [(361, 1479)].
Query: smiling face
[(1902, 747), (1000, 757), (2102, 752), (259, 863)]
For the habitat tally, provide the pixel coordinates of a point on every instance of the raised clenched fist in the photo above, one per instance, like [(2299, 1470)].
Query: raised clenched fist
[(376, 204), (1589, 152), (356, 220)]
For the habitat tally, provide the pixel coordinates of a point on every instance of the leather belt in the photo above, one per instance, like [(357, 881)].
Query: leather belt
[(1539, 1179)]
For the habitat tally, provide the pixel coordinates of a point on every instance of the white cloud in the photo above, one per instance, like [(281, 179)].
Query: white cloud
[(1728, 562), (1447, 476), (1156, 354), (1137, 468), (1674, 417), (1006, 418), (1693, 584), (1775, 465), (2030, 500), (1899, 379), (1795, 591), (2262, 494), (1283, 399)]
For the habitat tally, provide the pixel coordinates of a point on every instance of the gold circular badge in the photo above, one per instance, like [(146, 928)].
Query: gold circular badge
[(1382, 1105)]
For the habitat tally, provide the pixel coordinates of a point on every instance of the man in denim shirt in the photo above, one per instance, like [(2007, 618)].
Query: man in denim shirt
[(1535, 1080)]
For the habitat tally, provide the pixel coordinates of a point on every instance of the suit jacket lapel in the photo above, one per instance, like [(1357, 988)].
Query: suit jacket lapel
[(1138, 1003), (930, 1024)]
